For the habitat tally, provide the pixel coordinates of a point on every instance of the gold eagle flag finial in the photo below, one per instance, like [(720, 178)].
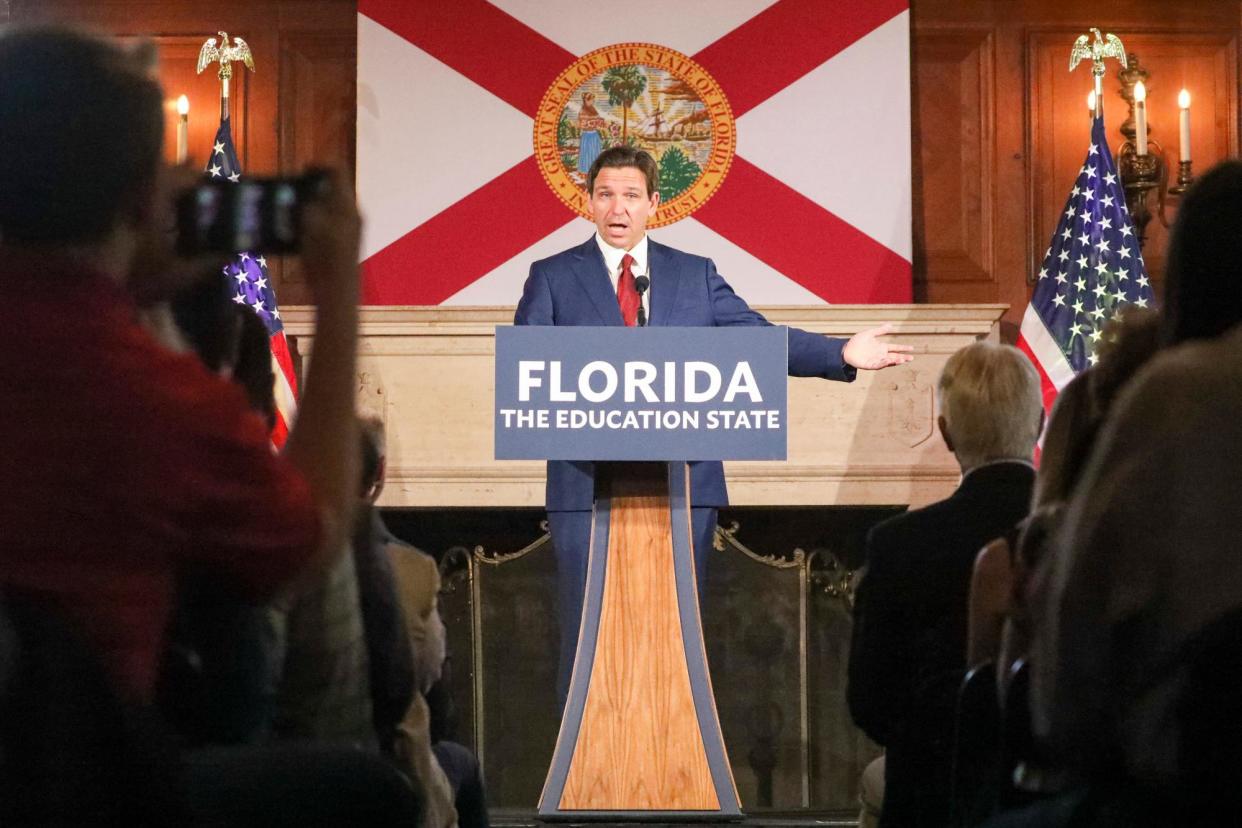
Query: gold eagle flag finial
[(1105, 46), (225, 54)]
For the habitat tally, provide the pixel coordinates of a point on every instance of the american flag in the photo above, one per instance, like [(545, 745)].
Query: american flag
[(252, 286), (1092, 268)]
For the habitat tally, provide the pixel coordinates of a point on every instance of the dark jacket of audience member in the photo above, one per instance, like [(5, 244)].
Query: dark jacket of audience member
[(909, 642)]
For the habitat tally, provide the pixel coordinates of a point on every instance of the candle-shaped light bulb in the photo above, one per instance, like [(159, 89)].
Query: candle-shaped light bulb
[(1183, 123), (183, 128), (1140, 118), (1091, 103)]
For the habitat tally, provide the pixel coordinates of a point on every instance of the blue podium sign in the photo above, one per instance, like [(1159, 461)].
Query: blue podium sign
[(612, 393)]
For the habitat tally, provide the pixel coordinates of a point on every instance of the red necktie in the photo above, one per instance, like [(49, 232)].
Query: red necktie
[(627, 294)]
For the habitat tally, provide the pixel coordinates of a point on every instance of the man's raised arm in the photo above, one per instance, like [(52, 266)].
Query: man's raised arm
[(324, 444)]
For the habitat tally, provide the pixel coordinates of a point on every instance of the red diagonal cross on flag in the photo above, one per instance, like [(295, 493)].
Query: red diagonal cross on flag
[(815, 206)]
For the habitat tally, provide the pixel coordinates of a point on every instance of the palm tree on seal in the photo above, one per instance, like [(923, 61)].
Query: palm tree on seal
[(624, 84)]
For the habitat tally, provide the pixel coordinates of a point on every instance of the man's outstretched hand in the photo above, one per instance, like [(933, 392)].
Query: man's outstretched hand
[(867, 351)]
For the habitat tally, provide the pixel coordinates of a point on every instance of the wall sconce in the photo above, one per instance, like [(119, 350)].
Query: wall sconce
[(1141, 159)]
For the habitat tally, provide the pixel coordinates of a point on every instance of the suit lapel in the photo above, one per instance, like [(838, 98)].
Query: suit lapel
[(592, 274), (666, 281)]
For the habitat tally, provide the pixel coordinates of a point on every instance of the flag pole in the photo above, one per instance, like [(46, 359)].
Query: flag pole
[(1093, 264), (247, 274)]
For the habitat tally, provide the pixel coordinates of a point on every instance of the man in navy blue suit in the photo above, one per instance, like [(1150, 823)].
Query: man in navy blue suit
[(596, 283)]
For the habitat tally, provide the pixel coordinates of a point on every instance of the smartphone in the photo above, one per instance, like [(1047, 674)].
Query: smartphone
[(262, 215)]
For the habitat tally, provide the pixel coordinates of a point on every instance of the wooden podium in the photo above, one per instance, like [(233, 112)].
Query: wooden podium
[(640, 736)]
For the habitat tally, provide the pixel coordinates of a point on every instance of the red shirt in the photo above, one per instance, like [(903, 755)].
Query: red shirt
[(121, 463)]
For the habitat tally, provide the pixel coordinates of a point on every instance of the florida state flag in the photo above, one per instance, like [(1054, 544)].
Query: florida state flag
[(782, 132)]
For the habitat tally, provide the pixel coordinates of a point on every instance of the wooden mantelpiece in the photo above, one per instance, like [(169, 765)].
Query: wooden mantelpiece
[(428, 371)]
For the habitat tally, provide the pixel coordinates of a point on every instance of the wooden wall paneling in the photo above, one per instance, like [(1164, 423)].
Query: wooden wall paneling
[(955, 174), (1034, 137), (315, 110), (1013, 154), (317, 89), (1204, 62)]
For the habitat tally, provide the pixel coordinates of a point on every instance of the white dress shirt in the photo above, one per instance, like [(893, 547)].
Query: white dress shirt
[(612, 260)]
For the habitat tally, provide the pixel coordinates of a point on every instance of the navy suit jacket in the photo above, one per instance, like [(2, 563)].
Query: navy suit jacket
[(574, 288)]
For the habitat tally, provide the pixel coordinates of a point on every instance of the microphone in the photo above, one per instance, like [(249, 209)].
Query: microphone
[(641, 283)]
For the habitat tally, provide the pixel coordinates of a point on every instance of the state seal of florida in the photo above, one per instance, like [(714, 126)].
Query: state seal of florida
[(642, 95)]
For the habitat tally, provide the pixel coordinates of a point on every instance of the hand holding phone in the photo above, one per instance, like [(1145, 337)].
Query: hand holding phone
[(260, 215)]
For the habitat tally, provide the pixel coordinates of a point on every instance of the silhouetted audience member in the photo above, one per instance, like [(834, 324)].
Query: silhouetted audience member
[(1003, 570), (125, 464), (71, 751), (909, 641), (149, 450), (1203, 284), (1147, 562), (449, 772), (1072, 425), (218, 681), (322, 667), (871, 793), (229, 338), (390, 655), (253, 369)]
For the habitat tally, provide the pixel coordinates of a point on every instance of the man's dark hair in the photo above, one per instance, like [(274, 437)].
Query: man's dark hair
[(253, 368), (623, 156), (82, 132), (1203, 294), (225, 334), (208, 319)]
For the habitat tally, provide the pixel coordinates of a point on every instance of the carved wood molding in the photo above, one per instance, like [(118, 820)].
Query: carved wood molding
[(479, 320)]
